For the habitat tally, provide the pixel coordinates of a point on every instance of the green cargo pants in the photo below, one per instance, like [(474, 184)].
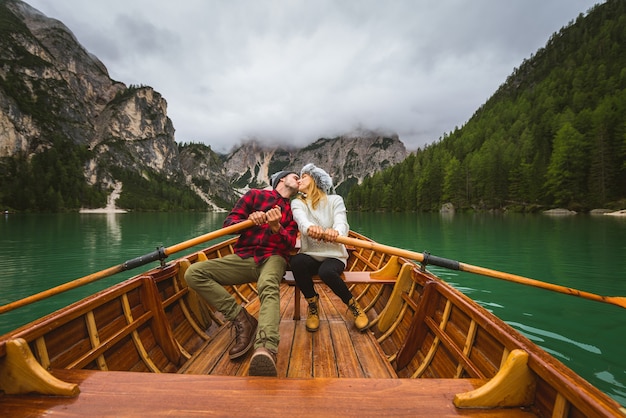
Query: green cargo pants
[(208, 278)]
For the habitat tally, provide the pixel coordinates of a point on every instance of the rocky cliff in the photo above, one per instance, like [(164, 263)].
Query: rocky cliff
[(348, 158), (53, 91)]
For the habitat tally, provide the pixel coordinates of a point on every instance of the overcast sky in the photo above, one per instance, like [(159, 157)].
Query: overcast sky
[(295, 71)]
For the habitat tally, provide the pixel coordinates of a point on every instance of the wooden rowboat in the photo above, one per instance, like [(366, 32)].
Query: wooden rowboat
[(150, 347)]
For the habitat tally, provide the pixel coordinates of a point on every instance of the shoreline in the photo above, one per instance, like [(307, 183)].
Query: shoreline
[(110, 207), (103, 210)]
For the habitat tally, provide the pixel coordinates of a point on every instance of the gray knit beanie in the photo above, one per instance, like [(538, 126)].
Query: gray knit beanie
[(322, 178), (277, 176)]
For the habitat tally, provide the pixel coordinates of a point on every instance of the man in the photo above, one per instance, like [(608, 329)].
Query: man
[(260, 255)]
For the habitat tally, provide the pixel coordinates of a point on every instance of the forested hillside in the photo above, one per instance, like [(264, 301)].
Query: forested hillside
[(554, 134)]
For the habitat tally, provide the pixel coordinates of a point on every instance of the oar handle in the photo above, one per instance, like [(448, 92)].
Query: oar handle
[(232, 229), (159, 254), (162, 253), (427, 258)]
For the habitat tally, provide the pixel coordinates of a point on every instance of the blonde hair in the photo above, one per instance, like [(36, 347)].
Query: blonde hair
[(313, 194)]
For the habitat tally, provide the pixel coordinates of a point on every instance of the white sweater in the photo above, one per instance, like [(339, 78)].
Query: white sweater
[(330, 213)]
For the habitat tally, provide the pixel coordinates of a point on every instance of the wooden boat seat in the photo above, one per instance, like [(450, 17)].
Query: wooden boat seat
[(171, 394), (349, 277)]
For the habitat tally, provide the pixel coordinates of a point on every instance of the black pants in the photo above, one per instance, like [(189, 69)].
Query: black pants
[(304, 267)]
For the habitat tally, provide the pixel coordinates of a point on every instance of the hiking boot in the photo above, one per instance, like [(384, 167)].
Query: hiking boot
[(263, 363), (313, 318), (245, 330), (360, 319)]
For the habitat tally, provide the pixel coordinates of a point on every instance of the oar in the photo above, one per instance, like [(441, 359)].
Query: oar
[(427, 258), (160, 254)]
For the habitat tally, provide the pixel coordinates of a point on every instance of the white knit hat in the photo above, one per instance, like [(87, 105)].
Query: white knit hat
[(322, 178)]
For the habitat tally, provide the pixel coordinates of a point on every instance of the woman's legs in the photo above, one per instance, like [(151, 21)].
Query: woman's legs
[(304, 267), (330, 272)]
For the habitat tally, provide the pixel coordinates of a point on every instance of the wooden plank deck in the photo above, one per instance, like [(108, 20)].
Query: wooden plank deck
[(116, 394), (337, 349), (337, 371)]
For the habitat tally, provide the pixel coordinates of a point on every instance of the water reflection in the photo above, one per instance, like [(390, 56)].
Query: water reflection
[(113, 227), (527, 330), (98, 231)]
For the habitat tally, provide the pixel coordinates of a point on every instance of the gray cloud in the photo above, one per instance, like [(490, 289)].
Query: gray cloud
[(294, 71)]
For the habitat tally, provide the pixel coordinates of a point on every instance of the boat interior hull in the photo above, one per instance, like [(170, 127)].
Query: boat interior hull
[(429, 351)]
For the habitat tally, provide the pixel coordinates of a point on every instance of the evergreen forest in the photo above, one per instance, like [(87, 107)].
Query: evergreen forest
[(51, 181), (552, 135)]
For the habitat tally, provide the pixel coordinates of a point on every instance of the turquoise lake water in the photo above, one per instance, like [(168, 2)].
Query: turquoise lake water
[(585, 252)]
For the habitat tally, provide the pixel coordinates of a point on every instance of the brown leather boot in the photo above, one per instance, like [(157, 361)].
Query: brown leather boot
[(263, 361), (245, 331)]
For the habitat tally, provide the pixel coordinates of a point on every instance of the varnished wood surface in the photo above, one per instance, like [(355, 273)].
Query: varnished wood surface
[(338, 357), (124, 394), (152, 323), (337, 349)]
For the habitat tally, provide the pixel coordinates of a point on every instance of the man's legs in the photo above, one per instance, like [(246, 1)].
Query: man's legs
[(208, 278), (271, 272), (263, 362)]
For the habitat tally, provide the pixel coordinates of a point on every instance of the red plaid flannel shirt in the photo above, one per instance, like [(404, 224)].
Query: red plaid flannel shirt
[(258, 241)]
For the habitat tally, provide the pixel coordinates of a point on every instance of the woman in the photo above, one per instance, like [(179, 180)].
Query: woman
[(321, 217)]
